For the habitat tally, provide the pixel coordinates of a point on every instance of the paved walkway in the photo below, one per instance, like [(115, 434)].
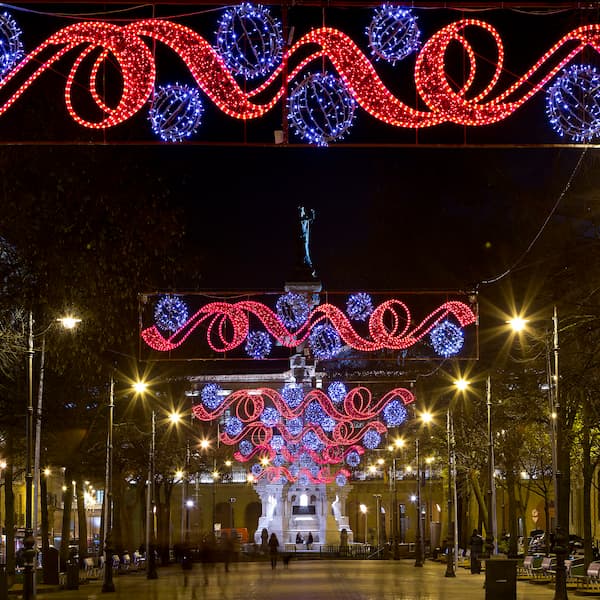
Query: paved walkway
[(302, 580)]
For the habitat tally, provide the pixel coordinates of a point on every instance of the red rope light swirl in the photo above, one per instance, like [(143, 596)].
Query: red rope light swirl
[(228, 326), (133, 56)]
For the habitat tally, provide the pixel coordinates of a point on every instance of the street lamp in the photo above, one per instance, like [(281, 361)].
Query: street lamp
[(363, 510), (398, 444), (419, 553), (107, 583), (557, 441), (29, 591)]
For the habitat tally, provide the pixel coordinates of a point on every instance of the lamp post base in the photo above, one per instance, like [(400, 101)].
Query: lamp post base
[(107, 583), (450, 560), (152, 574)]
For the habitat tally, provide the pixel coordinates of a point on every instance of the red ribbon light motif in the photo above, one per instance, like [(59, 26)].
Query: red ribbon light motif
[(125, 46)]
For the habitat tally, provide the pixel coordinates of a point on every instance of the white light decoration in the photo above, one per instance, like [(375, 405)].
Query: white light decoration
[(320, 109), (11, 47), (250, 40), (176, 112), (573, 104), (393, 33)]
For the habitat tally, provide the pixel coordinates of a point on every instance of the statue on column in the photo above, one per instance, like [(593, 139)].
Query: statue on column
[(306, 220)]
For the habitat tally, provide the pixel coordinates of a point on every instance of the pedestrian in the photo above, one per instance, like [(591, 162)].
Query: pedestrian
[(299, 539), (309, 541), (476, 543), (273, 549)]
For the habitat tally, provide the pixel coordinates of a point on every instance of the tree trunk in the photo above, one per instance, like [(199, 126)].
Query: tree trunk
[(511, 482), (9, 509), (45, 534), (588, 473)]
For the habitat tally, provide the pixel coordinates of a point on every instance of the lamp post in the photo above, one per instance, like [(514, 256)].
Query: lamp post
[(107, 583), (419, 558), (150, 534), (378, 519), (491, 537), (363, 510), (451, 556), (557, 441)]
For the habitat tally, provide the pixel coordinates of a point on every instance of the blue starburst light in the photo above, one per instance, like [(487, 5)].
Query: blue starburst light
[(176, 112), (395, 413), (320, 109), (211, 395), (359, 306), (573, 104), (258, 344), (447, 339), (393, 33), (337, 391), (11, 46), (170, 313), (250, 40), (324, 341)]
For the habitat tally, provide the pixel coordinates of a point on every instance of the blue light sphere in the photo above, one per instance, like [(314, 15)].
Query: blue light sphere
[(176, 112), (371, 439), (270, 416), (256, 469), (341, 480), (314, 413), (324, 341), (211, 395), (321, 109), (250, 40), (292, 310), (258, 344), (277, 442), (311, 440), (246, 448), (337, 391), (359, 306), (395, 413), (170, 313), (294, 426), (292, 395), (573, 104), (233, 427), (353, 458), (11, 46), (447, 339), (278, 461), (303, 479), (393, 33)]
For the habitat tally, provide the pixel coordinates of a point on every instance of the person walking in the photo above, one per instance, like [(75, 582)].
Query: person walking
[(476, 543), (273, 550), (309, 541)]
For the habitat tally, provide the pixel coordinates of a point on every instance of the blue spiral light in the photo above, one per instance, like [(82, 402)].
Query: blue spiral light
[(324, 341), (250, 40), (176, 112), (393, 33), (320, 109), (447, 339), (258, 344), (573, 104), (170, 313), (292, 310), (11, 46)]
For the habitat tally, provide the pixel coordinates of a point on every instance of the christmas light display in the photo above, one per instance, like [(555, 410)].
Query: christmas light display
[(337, 391), (326, 327), (130, 48), (304, 441), (249, 40), (175, 112), (393, 33), (573, 103), (320, 109), (11, 46)]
